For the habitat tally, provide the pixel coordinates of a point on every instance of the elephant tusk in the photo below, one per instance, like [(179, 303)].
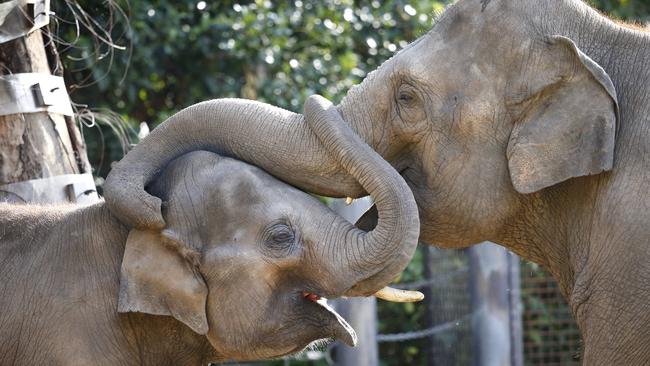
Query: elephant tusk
[(348, 200), (396, 295)]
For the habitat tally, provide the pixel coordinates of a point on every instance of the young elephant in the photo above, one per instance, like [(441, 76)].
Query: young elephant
[(241, 265)]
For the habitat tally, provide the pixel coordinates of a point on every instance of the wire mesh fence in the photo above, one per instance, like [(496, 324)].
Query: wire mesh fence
[(551, 336), (436, 331)]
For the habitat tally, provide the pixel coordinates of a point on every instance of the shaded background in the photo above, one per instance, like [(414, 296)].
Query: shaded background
[(143, 61)]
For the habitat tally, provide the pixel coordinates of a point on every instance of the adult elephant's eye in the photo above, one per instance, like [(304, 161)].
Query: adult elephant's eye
[(406, 97), (409, 104)]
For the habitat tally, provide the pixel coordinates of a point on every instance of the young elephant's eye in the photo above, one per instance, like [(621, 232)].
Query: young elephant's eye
[(282, 234), (280, 237)]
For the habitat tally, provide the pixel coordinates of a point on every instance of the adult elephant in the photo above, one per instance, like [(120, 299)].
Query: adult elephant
[(501, 119)]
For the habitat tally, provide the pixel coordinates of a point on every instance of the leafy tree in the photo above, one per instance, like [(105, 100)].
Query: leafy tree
[(185, 51)]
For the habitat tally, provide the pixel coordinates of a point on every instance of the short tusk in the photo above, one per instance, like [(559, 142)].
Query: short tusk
[(348, 201), (396, 295)]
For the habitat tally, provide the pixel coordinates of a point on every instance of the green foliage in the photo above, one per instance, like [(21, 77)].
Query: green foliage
[(628, 10), (185, 51)]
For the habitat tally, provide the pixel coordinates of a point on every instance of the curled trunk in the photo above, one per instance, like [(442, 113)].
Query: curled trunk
[(381, 254), (317, 152), (272, 138)]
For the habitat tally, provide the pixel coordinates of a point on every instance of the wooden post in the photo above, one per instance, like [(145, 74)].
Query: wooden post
[(516, 326), (429, 304), (361, 313), (36, 145), (488, 264)]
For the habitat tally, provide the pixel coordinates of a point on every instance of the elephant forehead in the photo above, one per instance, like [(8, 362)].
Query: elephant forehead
[(245, 183), (417, 58), (437, 58), (234, 257)]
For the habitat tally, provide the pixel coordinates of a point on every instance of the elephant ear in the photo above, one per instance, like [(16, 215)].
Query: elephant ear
[(565, 127), (159, 276)]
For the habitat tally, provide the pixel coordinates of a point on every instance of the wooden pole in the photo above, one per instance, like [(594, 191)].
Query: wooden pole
[(516, 326), (361, 313), (429, 304), (490, 304)]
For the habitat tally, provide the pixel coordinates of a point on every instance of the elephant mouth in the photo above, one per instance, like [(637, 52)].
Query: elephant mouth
[(339, 328), (310, 296), (336, 326)]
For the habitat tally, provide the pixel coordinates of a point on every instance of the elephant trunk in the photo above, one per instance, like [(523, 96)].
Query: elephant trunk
[(272, 138), (377, 256)]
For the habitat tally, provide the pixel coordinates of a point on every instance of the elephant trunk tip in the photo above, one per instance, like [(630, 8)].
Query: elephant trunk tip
[(143, 211)]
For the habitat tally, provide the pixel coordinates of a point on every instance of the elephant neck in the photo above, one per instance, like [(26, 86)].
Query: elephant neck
[(592, 236), (158, 339), (552, 229)]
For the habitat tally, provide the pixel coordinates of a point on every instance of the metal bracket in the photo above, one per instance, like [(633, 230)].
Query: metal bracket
[(32, 93), (19, 18), (75, 188)]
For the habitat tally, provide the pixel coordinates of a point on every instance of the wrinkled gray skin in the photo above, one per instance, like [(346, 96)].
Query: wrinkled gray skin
[(500, 119), (230, 267)]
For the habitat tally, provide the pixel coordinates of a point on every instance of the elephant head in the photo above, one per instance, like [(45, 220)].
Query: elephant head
[(245, 259), (484, 110)]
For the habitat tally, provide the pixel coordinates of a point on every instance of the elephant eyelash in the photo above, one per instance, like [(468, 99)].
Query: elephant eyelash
[(407, 94), (280, 238), (406, 98), (283, 237)]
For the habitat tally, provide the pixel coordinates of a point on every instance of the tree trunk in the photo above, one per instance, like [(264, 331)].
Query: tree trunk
[(36, 145)]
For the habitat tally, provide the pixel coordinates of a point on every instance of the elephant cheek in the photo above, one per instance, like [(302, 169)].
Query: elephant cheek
[(227, 335), (232, 345), (214, 334), (236, 330)]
